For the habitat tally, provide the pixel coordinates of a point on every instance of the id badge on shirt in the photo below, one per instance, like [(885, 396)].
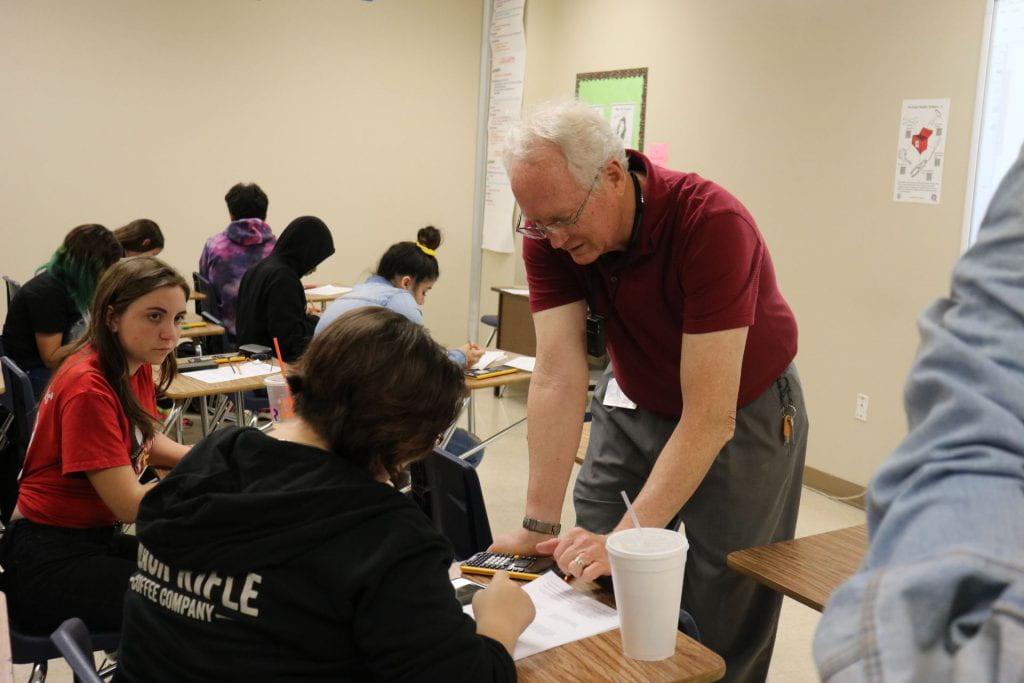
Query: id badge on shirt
[(614, 397)]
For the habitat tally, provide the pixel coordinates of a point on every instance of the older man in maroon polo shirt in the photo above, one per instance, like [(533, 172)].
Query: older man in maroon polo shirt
[(700, 417)]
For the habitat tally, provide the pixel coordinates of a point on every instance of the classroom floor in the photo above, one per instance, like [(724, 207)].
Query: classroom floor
[(503, 475)]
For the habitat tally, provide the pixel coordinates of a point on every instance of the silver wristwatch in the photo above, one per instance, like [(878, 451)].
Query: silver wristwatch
[(548, 528)]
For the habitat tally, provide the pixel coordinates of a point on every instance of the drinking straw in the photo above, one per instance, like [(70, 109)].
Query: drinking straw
[(632, 512)]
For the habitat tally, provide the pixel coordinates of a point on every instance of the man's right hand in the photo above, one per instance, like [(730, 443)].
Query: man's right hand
[(521, 542)]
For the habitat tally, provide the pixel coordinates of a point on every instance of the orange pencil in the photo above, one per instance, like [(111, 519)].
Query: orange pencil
[(277, 349)]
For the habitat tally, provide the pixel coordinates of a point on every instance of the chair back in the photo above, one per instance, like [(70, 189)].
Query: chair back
[(19, 400), (448, 490), (218, 343), (12, 288), (74, 642), (212, 301), (195, 288)]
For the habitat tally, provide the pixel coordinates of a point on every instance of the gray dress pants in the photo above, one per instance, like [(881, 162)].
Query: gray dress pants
[(749, 497)]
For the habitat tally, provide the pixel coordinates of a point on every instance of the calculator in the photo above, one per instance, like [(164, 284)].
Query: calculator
[(525, 567)]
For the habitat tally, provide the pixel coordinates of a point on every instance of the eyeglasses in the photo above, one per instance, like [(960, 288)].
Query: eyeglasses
[(536, 231)]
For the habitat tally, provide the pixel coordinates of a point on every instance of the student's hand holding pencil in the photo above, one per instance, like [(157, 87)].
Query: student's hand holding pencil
[(472, 352)]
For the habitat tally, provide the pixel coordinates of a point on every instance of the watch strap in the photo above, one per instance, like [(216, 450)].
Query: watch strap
[(549, 528)]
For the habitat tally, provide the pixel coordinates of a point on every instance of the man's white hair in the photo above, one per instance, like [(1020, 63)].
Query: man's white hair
[(575, 128)]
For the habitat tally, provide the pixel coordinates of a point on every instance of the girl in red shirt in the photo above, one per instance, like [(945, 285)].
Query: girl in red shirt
[(95, 432)]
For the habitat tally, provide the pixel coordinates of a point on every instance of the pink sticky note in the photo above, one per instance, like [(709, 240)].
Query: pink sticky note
[(657, 152)]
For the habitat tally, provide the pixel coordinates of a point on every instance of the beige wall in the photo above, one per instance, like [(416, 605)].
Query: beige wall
[(365, 114), (361, 113), (794, 106)]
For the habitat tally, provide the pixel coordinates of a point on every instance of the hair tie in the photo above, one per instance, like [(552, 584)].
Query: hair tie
[(426, 250)]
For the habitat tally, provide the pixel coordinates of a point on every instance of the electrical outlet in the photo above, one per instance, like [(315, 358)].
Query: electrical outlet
[(861, 411)]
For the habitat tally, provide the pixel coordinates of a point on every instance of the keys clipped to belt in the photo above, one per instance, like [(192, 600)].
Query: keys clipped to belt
[(788, 412), (788, 409)]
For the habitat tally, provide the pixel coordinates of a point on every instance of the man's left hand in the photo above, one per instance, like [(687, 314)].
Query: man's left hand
[(579, 553)]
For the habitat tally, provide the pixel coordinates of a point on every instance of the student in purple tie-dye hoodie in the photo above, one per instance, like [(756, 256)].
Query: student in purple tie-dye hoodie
[(245, 242)]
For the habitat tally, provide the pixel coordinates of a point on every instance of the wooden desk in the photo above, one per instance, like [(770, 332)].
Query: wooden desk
[(207, 330), (515, 322), (517, 377), (324, 299), (184, 387), (196, 296), (806, 569), (600, 657)]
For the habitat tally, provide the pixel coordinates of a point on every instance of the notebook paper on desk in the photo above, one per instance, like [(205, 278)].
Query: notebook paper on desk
[(524, 363), (564, 615), (488, 358), (329, 290), (227, 374)]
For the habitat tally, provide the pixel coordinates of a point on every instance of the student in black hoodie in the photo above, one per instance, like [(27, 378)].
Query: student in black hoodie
[(291, 556), (271, 300)]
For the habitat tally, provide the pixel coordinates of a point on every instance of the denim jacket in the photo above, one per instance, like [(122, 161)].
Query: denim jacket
[(377, 291), (940, 595)]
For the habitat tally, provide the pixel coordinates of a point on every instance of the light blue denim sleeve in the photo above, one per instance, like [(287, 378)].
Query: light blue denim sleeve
[(457, 357), (940, 595), (404, 303), (334, 311)]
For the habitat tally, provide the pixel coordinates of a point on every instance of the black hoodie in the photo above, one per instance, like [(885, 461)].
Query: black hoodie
[(271, 300), (268, 560)]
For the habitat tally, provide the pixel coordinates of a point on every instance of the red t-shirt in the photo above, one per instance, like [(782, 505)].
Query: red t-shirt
[(80, 426), (697, 264)]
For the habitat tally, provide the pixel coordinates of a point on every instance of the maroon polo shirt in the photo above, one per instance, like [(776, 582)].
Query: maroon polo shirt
[(697, 264)]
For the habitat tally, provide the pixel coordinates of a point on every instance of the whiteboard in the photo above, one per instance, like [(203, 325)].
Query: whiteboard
[(1002, 110)]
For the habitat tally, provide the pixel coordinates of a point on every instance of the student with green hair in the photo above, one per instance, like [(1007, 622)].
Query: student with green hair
[(48, 311)]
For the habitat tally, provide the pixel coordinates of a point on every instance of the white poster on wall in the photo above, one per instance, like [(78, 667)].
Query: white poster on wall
[(622, 119), (924, 127), (508, 67)]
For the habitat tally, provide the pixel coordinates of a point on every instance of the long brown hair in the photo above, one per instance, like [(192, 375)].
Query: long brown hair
[(123, 283), (140, 235), (378, 389)]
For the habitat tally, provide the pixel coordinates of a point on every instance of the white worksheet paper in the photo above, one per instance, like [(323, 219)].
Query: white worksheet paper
[(564, 615), (517, 292), (328, 290), (488, 358), (226, 374), (524, 363)]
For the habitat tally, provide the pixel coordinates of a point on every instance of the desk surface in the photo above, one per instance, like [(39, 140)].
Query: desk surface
[(806, 569), (196, 296), (600, 657), (185, 387), (324, 298), (517, 377), (208, 330), (512, 290)]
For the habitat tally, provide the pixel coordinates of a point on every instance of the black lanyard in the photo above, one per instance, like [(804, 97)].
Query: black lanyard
[(638, 213)]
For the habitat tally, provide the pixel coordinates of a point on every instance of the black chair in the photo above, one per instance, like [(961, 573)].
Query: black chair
[(195, 288), (448, 490), (19, 401), (12, 288), (38, 649), (74, 642), (491, 320), (220, 343), (211, 304)]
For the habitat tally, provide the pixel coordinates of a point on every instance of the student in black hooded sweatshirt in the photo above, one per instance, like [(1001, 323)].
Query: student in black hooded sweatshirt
[(289, 556), (271, 300)]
